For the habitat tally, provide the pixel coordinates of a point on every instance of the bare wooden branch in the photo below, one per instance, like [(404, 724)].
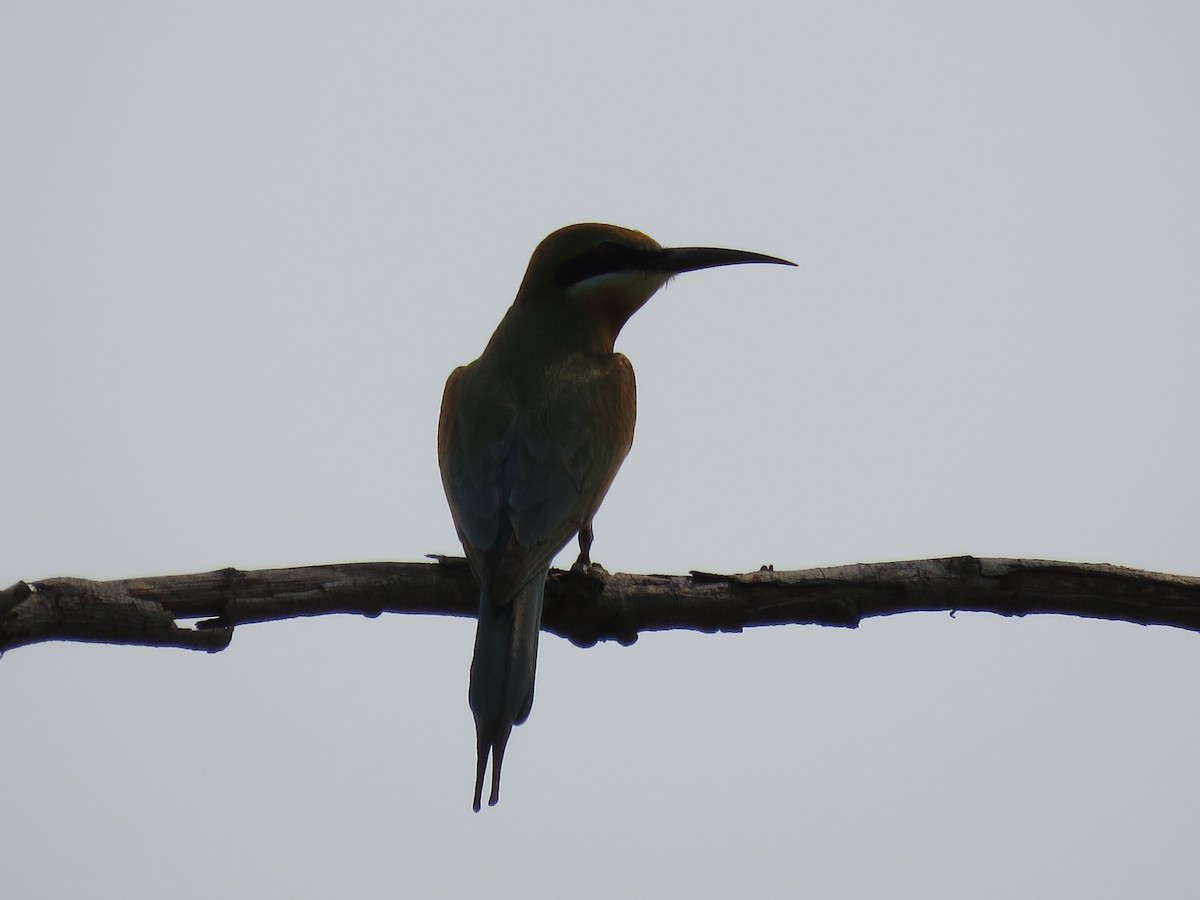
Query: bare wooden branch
[(586, 607)]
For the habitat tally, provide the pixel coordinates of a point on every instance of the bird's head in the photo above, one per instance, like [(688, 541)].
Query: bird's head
[(608, 273)]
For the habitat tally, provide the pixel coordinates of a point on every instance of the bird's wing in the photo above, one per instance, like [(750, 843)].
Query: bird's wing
[(522, 478), (470, 452)]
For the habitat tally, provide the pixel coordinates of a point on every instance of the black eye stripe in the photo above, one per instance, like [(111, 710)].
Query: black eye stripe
[(605, 257)]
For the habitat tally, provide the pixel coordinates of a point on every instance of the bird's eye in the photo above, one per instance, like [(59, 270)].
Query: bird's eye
[(605, 257)]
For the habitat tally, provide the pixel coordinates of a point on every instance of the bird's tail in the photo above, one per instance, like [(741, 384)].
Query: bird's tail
[(502, 675)]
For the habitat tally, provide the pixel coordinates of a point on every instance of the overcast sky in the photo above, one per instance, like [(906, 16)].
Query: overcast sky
[(242, 246)]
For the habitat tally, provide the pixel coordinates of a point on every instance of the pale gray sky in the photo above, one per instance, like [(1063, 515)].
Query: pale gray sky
[(241, 247)]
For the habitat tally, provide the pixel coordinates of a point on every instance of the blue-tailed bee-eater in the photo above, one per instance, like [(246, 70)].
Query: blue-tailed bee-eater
[(530, 438)]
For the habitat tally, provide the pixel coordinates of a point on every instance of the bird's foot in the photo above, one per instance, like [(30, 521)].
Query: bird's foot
[(584, 566)]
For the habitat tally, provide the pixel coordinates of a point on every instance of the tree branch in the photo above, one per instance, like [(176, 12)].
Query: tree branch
[(586, 607)]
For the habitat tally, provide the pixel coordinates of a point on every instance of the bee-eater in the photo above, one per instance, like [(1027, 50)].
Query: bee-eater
[(530, 438)]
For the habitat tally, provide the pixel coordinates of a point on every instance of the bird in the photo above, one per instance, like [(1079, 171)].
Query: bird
[(530, 437)]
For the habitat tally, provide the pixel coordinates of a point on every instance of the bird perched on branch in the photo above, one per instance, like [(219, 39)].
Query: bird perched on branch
[(530, 438)]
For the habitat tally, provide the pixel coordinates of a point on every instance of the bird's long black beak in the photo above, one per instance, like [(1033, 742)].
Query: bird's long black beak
[(674, 260)]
